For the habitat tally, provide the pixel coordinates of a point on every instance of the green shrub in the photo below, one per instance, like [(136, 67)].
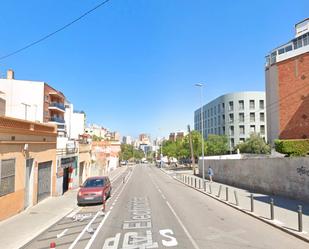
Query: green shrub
[(292, 147)]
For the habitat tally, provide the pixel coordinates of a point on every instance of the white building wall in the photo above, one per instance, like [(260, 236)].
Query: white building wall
[(77, 125), (27, 92)]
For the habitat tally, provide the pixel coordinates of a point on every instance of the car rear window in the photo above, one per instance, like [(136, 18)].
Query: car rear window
[(92, 183)]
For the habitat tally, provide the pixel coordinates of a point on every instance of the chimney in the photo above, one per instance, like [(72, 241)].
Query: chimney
[(10, 74)]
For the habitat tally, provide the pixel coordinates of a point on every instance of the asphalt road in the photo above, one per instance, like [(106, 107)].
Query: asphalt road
[(152, 210)]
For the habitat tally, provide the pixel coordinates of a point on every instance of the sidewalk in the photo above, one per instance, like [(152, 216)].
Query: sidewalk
[(285, 209), (22, 228)]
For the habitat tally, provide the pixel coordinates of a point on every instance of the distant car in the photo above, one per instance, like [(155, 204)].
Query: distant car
[(92, 190), (123, 163)]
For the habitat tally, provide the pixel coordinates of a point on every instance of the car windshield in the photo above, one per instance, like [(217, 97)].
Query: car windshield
[(92, 183)]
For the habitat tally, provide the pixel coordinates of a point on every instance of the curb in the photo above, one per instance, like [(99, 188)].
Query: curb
[(243, 211)]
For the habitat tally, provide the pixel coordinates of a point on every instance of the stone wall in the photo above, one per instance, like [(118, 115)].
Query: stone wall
[(279, 176)]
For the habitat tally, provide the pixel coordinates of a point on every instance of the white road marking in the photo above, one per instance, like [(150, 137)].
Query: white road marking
[(183, 226), (73, 213), (172, 240), (90, 242), (62, 234)]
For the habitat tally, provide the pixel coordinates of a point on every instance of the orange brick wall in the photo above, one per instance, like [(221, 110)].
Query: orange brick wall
[(293, 78)]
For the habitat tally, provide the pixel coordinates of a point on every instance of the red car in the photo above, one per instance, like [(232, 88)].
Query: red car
[(92, 190)]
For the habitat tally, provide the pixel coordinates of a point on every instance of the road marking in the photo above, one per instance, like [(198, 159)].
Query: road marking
[(62, 234), (172, 240), (90, 242), (183, 226), (73, 213)]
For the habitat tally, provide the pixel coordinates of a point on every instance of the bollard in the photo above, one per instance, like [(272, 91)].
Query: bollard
[(210, 191), (219, 192), (195, 182), (226, 193), (199, 184), (252, 203), (52, 245), (236, 198), (204, 185), (272, 216), (300, 218)]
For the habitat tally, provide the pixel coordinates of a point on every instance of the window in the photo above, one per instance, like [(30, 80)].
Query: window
[(306, 39), (215, 121), (241, 140), (219, 109), (281, 51), (231, 116), (223, 130), (241, 105), (219, 120), (262, 117), (215, 110), (7, 177), (223, 118), (231, 130), (211, 112), (241, 117), (288, 48), (208, 112), (212, 123), (241, 130), (46, 98), (232, 142), (223, 107), (231, 106), (252, 117), (262, 129), (215, 130), (252, 128), (252, 104), (261, 104)]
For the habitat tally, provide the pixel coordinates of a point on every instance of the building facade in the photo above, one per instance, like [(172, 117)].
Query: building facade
[(287, 87), (27, 164), (235, 115)]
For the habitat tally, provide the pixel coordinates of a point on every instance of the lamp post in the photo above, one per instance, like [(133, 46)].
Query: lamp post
[(200, 85)]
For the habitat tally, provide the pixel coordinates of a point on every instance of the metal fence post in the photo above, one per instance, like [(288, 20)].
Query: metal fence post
[(219, 192), (300, 218), (236, 198), (210, 191), (252, 203), (226, 193), (272, 216), (204, 185), (199, 184)]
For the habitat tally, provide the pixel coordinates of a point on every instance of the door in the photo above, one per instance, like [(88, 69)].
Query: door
[(65, 184), (28, 190), (81, 172), (44, 180)]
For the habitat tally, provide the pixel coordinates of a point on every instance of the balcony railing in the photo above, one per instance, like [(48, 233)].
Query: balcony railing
[(56, 119), (58, 105)]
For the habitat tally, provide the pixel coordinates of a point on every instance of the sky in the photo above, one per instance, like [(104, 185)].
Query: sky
[(132, 64)]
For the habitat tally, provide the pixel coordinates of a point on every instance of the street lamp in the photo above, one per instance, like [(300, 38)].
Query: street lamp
[(200, 85)]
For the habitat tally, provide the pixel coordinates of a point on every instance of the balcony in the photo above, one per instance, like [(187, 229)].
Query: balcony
[(57, 120), (56, 106)]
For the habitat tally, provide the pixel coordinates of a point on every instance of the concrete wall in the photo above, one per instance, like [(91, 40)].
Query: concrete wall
[(279, 176)]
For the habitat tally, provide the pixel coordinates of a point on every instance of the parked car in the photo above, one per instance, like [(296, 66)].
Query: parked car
[(91, 191), (123, 163)]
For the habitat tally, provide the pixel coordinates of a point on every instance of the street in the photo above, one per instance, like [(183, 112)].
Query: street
[(149, 209)]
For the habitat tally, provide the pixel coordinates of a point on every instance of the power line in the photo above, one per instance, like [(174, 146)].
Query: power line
[(54, 32)]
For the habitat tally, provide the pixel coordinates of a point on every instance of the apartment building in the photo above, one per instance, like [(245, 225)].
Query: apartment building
[(27, 164), (235, 115), (287, 87), (33, 100)]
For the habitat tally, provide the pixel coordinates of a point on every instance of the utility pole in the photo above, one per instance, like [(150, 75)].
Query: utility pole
[(191, 148), (26, 109)]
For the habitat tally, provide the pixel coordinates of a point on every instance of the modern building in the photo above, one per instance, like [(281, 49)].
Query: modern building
[(287, 87), (144, 139), (27, 164), (235, 115), (33, 101), (127, 140)]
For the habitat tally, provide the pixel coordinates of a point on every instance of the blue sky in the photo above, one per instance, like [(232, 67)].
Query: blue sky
[(131, 65)]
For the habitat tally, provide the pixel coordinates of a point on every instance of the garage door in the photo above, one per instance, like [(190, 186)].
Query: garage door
[(44, 180)]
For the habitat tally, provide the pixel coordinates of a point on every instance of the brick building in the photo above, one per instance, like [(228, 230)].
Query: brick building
[(287, 87)]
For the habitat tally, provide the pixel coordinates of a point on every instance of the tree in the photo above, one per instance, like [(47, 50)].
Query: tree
[(196, 144), (217, 144), (96, 138), (255, 144), (126, 152)]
